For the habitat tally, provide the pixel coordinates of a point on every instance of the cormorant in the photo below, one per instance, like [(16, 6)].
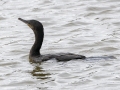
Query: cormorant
[(35, 55)]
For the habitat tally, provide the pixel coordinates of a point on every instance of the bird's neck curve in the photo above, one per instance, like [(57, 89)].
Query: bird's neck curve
[(39, 35)]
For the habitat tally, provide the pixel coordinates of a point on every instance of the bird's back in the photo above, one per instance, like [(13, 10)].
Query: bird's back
[(58, 57)]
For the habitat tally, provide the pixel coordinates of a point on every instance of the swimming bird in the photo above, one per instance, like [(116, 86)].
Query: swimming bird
[(35, 56)]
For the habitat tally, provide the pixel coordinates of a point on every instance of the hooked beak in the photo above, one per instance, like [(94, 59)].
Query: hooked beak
[(26, 22)]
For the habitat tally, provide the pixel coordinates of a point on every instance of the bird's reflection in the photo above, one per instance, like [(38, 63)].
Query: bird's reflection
[(39, 73)]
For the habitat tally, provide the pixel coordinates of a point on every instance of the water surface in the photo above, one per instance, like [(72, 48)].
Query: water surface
[(86, 27)]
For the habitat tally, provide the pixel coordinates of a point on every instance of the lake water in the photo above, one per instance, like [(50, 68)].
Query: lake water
[(86, 27)]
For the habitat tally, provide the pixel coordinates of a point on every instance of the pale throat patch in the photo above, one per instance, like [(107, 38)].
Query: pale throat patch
[(30, 26)]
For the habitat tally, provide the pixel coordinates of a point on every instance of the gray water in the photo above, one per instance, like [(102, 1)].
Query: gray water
[(86, 27)]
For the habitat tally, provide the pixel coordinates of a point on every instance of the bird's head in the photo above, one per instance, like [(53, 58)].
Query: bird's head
[(33, 24)]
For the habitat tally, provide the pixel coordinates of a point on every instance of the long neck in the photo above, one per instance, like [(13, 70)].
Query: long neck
[(39, 35)]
